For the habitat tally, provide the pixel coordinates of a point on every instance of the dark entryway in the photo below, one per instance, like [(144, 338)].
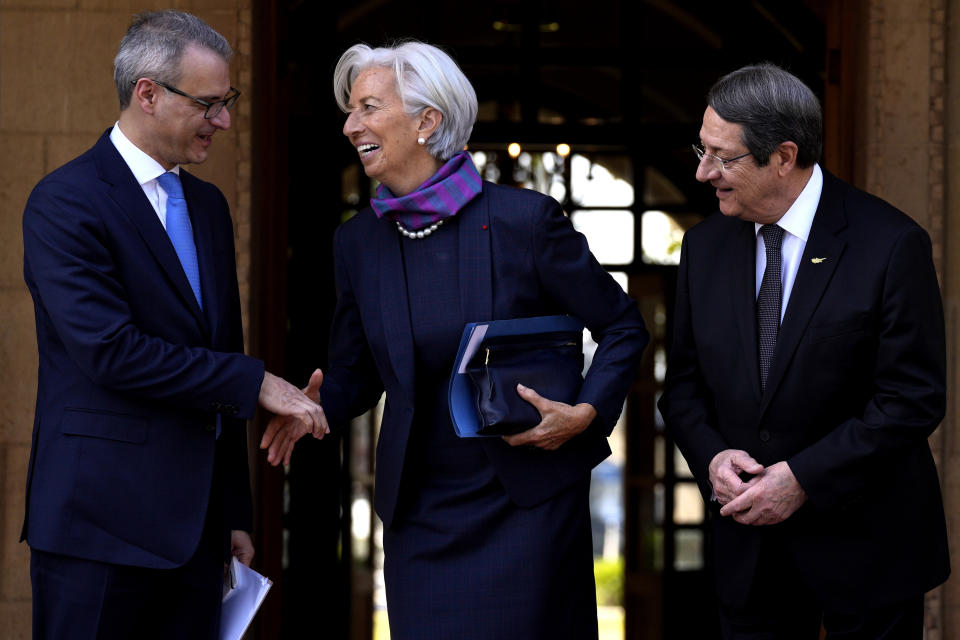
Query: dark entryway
[(622, 83)]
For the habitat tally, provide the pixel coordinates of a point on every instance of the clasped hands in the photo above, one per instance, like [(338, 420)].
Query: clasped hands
[(559, 422), (772, 495)]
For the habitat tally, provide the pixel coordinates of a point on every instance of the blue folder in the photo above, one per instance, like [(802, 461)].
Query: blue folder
[(461, 393)]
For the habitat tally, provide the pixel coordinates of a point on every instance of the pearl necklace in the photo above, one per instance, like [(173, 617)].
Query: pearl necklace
[(417, 235)]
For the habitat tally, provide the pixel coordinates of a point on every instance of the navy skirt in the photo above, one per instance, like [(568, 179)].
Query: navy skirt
[(464, 562)]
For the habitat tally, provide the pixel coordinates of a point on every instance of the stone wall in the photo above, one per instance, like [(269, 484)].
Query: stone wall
[(911, 136), (56, 98), (948, 238)]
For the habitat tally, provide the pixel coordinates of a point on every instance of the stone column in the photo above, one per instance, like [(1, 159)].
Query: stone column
[(949, 242), (904, 161)]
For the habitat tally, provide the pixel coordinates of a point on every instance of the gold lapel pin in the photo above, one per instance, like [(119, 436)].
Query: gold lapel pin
[(817, 260)]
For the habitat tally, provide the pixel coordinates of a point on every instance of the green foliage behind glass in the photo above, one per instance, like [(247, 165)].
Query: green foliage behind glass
[(609, 577)]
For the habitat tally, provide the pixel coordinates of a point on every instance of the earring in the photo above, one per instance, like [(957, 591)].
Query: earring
[(421, 141)]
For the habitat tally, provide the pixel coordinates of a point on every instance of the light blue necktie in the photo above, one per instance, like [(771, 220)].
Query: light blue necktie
[(180, 230), (181, 235)]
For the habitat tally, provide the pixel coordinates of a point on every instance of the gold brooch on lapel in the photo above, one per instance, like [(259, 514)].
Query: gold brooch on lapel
[(817, 260)]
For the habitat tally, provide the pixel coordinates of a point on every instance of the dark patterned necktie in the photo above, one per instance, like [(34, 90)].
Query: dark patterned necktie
[(770, 300)]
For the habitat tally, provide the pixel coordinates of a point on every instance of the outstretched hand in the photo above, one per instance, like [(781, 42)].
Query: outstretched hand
[(283, 399), (283, 431), (558, 421)]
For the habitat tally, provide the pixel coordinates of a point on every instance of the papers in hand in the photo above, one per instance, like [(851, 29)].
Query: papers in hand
[(243, 592), (474, 336)]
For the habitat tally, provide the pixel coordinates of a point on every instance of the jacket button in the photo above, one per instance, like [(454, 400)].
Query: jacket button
[(764, 435), (212, 426)]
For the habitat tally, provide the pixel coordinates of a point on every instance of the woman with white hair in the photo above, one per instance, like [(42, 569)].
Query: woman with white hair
[(483, 537)]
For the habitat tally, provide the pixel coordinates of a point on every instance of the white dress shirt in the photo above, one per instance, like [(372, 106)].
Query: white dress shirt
[(796, 222), (145, 169)]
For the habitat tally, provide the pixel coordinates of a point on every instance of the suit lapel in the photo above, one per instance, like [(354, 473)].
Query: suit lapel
[(476, 286), (826, 247), (743, 252), (130, 198), (394, 306)]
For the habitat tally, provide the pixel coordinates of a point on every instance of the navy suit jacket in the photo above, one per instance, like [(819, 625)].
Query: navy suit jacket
[(519, 256), (132, 374), (856, 385)]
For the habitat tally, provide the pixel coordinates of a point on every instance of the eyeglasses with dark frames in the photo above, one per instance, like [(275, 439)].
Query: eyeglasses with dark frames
[(211, 109), (723, 162)]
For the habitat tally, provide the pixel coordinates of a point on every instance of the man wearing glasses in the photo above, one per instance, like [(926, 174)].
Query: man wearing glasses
[(138, 487), (806, 373)]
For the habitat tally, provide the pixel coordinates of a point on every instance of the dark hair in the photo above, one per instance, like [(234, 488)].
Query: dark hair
[(154, 44), (773, 106)]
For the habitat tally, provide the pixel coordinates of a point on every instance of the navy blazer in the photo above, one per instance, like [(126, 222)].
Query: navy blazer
[(132, 374), (519, 256), (856, 385)]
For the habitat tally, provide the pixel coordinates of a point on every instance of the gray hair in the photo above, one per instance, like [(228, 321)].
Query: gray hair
[(425, 77), (155, 43), (773, 106)]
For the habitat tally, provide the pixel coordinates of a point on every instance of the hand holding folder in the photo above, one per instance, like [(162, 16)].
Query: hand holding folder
[(244, 591), (543, 353)]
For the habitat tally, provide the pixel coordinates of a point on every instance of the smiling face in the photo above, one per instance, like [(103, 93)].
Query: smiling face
[(744, 189), (179, 134), (384, 135)]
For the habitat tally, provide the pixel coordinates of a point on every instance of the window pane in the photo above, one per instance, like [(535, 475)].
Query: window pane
[(609, 234), (662, 234), (680, 466), (659, 503), (687, 504), (606, 510), (542, 171), (689, 550), (660, 364), (601, 181), (659, 456), (661, 238), (659, 191)]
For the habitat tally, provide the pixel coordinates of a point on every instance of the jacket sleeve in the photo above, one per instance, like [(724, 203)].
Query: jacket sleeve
[(572, 276), (351, 384), (71, 268), (686, 404)]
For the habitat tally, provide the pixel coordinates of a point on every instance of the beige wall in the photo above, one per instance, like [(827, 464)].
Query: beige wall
[(909, 156), (56, 98), (949, 239)]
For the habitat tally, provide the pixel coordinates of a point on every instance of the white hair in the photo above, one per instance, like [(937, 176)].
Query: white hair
[(425, 77)]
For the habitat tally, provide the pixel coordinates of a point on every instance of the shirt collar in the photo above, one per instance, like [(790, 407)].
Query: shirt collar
[(799, 217), (144, 167)]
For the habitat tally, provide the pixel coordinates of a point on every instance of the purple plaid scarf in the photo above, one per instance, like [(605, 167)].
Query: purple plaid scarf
[(455, 184)]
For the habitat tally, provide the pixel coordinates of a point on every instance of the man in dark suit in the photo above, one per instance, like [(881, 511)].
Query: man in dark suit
[(138, 484), (806, 373)]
